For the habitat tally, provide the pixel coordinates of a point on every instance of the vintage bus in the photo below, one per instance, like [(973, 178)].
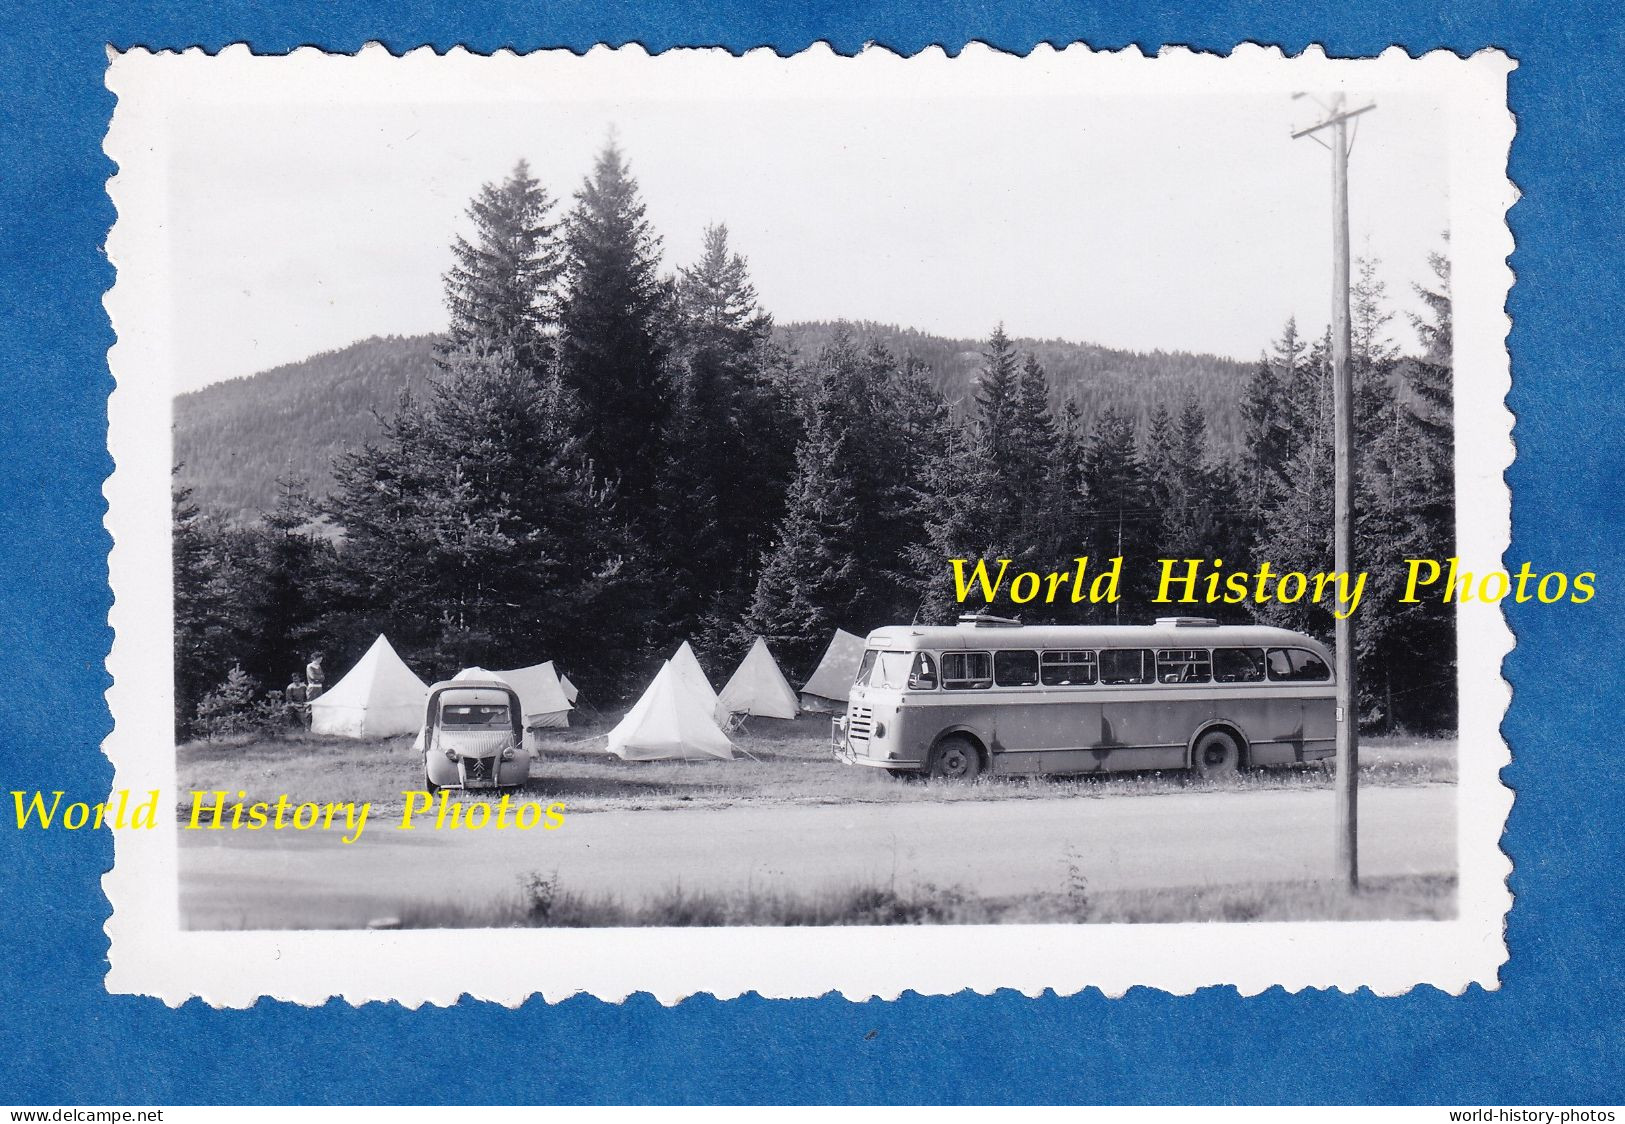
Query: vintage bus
[(993, 696)]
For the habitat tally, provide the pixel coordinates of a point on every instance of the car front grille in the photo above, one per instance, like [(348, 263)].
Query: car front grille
[(478, 768)]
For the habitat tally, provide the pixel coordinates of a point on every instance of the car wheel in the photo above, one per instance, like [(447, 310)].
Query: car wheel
[(1217, 755), (955, 759), (429, 784)]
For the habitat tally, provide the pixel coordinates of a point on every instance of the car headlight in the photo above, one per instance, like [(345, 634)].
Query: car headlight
[(507, 754), (451, 755)]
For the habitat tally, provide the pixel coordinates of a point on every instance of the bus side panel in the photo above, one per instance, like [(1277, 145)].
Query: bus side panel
[(1151, 732), (1282, 729), (920, 725), (1037, 736), (1074, 734), (1319, 727)]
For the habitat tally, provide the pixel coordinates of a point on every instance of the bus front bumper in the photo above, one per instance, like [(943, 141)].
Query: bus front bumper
[(846, 755)]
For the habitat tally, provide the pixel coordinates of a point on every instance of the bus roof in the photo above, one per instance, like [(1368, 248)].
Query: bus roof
[(1161, 635)]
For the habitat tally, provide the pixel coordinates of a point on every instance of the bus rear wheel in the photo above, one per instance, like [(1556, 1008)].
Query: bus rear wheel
[(1217, 755), (955, 759)]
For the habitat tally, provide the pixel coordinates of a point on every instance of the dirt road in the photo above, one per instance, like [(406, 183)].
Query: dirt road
[(308, 879)]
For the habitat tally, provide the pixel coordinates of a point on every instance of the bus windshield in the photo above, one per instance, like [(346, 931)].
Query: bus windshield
[(885, 669)]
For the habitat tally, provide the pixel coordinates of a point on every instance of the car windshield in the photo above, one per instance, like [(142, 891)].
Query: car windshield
[(464, 716)]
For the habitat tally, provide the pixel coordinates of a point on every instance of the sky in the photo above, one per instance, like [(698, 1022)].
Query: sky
[(314, 205)]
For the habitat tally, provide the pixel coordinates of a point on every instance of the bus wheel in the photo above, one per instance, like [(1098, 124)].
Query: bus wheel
[(1217, 755), (955, 759)]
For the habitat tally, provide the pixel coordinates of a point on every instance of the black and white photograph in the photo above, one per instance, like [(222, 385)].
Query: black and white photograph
[(860, 523)]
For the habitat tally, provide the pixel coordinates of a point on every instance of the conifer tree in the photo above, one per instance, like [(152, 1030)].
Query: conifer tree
[(284, 574), (1118, 516), (204, 634), (478, 534), (1034, 462), (1064, 499), (811, 578), (729, 445), (955, 523), (999, 434), (613, 323), (501, 288)]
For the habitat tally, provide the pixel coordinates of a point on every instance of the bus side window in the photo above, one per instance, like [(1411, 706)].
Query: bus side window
[(923, 675), (967, 671), (1295, 665), (1015, 668), (1184, 665), (1069, 669), (1126, 665), (1238, 665)]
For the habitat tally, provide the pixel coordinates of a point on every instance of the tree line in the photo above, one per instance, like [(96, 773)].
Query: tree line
[(610, 459)]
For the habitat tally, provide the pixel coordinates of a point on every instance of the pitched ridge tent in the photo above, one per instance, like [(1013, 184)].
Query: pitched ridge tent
[(758, 687), (831, 684), (377, 698), (540, 692), (686, 666), (669, 720)]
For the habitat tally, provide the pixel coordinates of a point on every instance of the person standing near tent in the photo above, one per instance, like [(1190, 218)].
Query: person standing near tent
[(293, 698), (313, 677)]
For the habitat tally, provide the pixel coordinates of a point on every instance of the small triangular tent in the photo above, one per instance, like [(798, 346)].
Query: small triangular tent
[(831, 685), (377, 698), (758, 687), (539, 690), (686, 666), (669, 720)]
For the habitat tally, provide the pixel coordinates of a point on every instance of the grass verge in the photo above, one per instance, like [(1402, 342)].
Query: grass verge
[(540, 902)]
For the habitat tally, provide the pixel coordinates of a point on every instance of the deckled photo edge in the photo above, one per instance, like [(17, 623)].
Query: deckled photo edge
[(151, 955)]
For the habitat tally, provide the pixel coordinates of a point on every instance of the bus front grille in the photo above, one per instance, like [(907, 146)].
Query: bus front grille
[(861, 724)]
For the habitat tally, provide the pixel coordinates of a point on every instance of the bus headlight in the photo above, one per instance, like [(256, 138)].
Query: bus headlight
[(880, 729)]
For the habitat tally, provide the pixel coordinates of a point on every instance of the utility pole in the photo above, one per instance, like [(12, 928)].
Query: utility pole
[(1348, 724)]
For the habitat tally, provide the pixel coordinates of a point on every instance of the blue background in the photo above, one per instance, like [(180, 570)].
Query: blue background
[(1552, 1034)]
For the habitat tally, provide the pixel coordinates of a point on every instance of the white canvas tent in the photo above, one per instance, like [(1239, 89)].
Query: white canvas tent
[(377, 698), (541, 694), (831, 685), (669, 720), (758, 687), (686, 666)]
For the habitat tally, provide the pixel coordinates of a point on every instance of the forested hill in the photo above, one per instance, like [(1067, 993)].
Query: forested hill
[(233, 439), (1092, 376)]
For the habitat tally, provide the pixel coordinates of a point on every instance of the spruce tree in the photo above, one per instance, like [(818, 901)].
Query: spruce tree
[(729, 446), (1119, 517), (954, 523), (613, 324), (207, 625), (811, 577), (500, 289), (999, 434), (286, 574), (479, 533)]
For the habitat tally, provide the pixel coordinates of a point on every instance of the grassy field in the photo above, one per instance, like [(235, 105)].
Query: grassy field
[(539, 903), (788, 763)]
